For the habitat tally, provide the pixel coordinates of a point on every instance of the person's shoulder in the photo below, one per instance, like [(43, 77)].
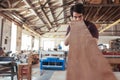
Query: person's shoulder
[(89, 23)]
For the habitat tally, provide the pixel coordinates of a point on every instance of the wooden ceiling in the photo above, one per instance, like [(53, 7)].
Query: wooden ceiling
[(44, 16)]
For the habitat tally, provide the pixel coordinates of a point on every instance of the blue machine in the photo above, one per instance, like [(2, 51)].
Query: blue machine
[(52, 63)]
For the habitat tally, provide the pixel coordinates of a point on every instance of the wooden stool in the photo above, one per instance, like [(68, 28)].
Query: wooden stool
[(24, 71)]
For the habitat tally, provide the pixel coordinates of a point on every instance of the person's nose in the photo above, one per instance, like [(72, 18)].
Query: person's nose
[(78, 19)]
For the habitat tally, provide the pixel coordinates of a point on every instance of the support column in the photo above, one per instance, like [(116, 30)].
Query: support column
[(1, 30)]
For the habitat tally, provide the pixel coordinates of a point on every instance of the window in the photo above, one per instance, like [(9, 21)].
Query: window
[(48, 45), (26, 42), (36, 44), (13, 37)]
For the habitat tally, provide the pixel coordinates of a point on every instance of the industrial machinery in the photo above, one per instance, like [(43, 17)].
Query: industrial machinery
[(54, 60)]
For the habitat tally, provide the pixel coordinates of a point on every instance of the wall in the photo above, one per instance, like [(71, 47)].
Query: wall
[(19, 38), (5, 35), (1, 26), (31, 38), (55, 40), (6, 38)]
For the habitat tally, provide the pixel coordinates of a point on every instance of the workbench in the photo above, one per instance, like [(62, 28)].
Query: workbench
[(113, 59), (8, 67)]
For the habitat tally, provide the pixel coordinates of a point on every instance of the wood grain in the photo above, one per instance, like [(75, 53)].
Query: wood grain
[(85, 61)]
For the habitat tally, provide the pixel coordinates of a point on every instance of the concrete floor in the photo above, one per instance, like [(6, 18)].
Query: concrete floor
[(48, 74)]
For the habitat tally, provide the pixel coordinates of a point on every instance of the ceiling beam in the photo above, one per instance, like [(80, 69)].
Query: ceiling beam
[(10, 19), (59, 14), (18, 23), (65, 5), (101, 5), (27, 27), (112, 13), (98, 10), (46, 3), (65, 12), (16, 3), (13, 14), (9, 3), (86, 17), (29, 4), (89, 5), (53, 15), (11, 9), (116, 16), (112, 10), (111, 25), (45, 15), (103, 14)]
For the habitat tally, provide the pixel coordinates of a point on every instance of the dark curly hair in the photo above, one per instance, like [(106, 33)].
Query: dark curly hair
[(79, 8)]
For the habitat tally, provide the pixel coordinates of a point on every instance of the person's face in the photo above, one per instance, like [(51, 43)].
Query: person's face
[(77, 16)]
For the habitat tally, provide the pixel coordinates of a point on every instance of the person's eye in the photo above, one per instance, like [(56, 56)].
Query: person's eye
[(75, 17)]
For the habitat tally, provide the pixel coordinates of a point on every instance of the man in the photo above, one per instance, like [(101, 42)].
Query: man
[(77, 13), (85, 60)]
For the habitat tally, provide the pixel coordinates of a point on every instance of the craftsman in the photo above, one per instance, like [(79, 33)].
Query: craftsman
[(77, 13)]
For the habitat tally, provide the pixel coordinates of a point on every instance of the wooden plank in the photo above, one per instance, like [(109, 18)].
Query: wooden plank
[(95, 1), (85, 60), (117, 1), (104, 1)]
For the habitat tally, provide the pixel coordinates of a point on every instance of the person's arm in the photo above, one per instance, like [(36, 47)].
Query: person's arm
[(67, 40), (95, 32), (96, 35), (67, 35)]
